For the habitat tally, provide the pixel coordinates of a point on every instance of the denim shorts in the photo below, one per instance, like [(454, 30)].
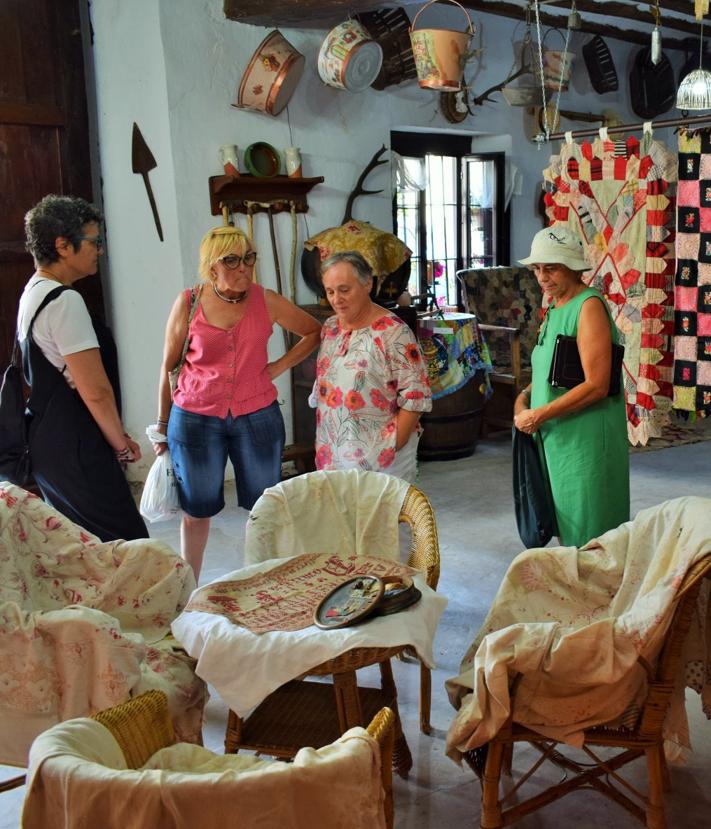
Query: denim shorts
[(200, 445)]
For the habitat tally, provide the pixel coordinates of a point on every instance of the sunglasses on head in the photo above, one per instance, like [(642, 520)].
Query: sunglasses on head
[(232, 261)]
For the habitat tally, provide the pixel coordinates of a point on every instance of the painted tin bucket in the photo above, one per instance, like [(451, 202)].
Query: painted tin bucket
[(349, 58), (271, 75), (557, 64), (440, 54)]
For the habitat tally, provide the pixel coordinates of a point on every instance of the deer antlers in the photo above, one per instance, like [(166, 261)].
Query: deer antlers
[(480, 99), (359, 190)]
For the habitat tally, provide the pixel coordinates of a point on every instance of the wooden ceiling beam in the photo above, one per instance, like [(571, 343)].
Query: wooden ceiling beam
[(315, 14), (301, 14), (515, 12)]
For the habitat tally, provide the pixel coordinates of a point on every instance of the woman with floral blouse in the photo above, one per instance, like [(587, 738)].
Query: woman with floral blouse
[(371, 381)]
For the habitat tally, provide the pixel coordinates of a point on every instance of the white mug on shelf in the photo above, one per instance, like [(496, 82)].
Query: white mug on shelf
[(229, 159), (292, 156)]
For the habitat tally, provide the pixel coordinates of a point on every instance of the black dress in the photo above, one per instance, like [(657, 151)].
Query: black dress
[(73, 465)]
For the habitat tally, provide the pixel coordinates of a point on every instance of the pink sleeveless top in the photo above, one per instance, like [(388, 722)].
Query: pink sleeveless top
[(225, 371)]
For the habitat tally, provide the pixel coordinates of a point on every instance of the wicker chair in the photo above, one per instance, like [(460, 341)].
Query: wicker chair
[(142, 726), (302, 712), (506, 302), (644, 739)]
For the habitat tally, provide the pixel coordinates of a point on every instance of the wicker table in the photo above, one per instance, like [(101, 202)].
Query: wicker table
[(304, 712), (290, 711)]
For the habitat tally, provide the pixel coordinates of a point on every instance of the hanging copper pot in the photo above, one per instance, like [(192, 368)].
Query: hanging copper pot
[(271, 75)]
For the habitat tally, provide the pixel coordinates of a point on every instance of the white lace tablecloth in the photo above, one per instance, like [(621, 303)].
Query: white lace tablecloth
[(244, 667)]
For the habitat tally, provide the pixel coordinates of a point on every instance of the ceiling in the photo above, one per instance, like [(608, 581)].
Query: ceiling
[(627, 20)]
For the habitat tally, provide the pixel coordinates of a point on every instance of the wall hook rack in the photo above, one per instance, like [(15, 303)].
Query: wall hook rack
[(252, 194)]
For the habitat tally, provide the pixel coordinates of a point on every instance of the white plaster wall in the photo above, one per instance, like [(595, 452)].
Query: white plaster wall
[(174, 67), (143, 274)]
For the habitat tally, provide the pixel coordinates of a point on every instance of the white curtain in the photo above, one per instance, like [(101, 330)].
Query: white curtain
[(408, 173)]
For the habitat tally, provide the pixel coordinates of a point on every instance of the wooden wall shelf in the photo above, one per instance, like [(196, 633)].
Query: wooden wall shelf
[(236, 191)]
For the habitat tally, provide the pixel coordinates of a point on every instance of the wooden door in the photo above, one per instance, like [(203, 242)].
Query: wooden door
[(44, 136)]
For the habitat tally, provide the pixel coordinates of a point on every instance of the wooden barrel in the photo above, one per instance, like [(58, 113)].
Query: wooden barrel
[(451, 429)]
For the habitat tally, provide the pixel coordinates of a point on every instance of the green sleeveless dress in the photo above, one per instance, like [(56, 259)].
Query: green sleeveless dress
[(586, 453)]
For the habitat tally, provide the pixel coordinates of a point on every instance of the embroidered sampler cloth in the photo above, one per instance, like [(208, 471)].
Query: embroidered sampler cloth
[(454, 351), (245, 667), (618, 195), (286, 597), (692, 287)]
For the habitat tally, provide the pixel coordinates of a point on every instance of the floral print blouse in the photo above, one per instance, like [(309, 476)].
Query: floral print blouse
[(363, 377)]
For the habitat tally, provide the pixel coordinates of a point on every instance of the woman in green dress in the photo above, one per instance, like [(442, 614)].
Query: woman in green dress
[(581, 431)]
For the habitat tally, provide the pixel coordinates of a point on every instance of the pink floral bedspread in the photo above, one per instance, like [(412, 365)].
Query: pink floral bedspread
[(84, 624)]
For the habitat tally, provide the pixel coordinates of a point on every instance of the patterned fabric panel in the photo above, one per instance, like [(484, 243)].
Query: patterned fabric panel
[(454, 351), (619, 196), (692, 286), (505, 296)]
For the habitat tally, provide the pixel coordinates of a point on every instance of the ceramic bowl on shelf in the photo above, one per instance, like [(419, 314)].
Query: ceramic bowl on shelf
[(262, 160)]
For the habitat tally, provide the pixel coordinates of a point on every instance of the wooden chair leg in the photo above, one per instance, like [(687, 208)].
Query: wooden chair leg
[(666, 777), (490, 805), (507, 759), (350, 713), (233, 733), (402, 759), (12, 783), (655, 795), (425, 698)]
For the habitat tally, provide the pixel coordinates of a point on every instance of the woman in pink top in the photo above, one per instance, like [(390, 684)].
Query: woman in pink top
[(225, 401)]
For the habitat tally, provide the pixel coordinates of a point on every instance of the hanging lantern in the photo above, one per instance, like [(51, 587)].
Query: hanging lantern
[(695, 89)]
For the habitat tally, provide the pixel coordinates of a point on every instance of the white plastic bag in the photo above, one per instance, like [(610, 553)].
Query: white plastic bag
[(159, 501)]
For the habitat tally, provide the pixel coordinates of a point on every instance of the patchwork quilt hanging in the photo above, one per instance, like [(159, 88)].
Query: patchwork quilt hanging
[(692, 286), (619, 196)]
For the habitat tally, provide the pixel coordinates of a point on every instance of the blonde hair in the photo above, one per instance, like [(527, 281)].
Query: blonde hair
[(217, 243)]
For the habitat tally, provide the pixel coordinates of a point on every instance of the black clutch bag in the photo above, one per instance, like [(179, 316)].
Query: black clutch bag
[(567, 370)]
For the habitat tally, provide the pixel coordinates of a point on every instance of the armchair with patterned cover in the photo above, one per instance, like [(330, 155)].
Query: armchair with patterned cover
[(506, 301)]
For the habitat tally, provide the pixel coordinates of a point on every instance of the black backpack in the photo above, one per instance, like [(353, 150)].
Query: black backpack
[(15, 463), (14, 451)]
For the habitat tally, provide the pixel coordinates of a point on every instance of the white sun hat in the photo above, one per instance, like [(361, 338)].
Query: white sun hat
[(557, 245)]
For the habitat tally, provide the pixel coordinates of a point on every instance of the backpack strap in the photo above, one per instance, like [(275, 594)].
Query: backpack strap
[(53, 294)]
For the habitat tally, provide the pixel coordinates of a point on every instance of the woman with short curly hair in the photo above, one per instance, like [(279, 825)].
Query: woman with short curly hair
[(77, 442)]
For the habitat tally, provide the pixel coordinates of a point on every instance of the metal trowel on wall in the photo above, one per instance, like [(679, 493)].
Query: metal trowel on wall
[(142, 162)]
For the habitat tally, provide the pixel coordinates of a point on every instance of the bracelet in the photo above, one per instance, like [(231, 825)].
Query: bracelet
[(124, 454), (161, 422)]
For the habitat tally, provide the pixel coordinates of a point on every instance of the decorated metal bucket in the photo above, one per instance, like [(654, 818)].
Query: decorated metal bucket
[(557, 64), (271, 76), (349, 57), (440, 54)]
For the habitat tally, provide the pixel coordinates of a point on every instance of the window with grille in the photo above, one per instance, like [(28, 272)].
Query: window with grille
[(448, 208)]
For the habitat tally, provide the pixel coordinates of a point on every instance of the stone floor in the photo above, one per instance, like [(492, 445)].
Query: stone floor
[(473, 505)]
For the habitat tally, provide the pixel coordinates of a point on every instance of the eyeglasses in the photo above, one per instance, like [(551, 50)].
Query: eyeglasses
[(96, 241), (233, 261)]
